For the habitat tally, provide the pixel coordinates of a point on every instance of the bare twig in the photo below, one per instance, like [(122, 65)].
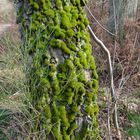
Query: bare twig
[(115, 43), (100, 43), (115, 117), (97, 20), (113, 96)]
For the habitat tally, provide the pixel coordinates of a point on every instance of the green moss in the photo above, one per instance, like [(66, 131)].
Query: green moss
[(88, 109), (61, 76), (56, 131), (45, 82), (65, 21), (42, 1), (59, 33), (77, 2), (45, 7), (86, 22), (35, 5), (63, 116), (75, 108), (73, 2), (89, 97), (65, 136), (83, 60), (86, 38), (59, 4), (81, 77), (70, 33), (83, 131), (73, 22), (92, 109), (52, 66), (73, 47), (81, 26), (56, 87), (95, 74), (72, 116), (77, 63), (69, 63), (56, 43), (69, 97), (74, 13), (65, 48), (67, 8), (41, 45), (72, 127), (95, 84), (81, 18), (50, 13), (92, 66), (56, 113), (89, 84), (33, 27), (47, 112)]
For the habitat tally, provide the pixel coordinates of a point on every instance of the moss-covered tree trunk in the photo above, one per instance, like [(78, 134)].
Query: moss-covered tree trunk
[(62, 73)]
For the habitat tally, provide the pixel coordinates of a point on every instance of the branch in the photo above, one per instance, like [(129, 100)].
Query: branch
[(97, 20), (116, 32), (100, 43), (113, 96)]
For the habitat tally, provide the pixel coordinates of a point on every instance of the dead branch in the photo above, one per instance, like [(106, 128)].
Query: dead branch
[(113, 96)]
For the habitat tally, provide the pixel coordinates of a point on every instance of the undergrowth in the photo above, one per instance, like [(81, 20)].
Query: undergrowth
[(126, 68), (16, 122), (133, 127)]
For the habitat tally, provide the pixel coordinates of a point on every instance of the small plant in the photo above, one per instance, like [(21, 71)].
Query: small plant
[(133, 129)]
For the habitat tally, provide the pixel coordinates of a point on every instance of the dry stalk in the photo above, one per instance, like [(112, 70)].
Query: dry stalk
[(115, 43)]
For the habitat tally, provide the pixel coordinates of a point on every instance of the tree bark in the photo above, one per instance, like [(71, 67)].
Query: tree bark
[(119, 12), (60, 68)]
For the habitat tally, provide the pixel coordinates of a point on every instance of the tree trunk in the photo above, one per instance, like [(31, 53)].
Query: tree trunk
[(131, 10), (119, 12), (61, 69)]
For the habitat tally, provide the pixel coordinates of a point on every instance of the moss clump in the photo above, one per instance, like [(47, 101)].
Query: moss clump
[(59, 33), (63, 116), (59, 4), (35, 5), (65, 21), (62, 77), (57, 43), (67, 8), (49, 13), (69, 97)]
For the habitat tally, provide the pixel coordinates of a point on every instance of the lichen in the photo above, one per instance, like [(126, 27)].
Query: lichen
[(59, 44)]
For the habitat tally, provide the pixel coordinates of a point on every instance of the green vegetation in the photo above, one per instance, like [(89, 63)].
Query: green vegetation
[(11, 82), (59, 98), (133, 129), (59, 58)]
